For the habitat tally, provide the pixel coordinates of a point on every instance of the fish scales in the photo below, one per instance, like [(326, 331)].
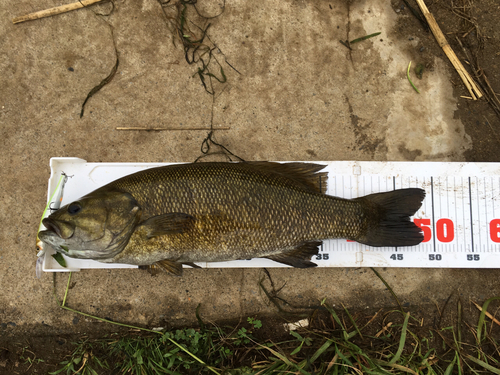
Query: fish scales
[(239, 213)]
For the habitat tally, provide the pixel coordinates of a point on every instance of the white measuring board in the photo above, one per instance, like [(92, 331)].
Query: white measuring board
[(460, 216)]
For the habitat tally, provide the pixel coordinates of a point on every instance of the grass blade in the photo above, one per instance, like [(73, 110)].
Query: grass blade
[(481, 317), (320, 351), (402, 340), (337, 319), (451, 366), (409, 79), (458, 342), (488, 367), (395, 366), (353, 322), (389, 288), (364, 38), (332, 362), (285, 359)]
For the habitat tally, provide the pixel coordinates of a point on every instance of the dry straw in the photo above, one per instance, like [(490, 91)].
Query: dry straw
[(474, 90), (53, 11)]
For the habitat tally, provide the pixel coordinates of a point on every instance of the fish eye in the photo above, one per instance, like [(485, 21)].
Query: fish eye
[(74, 208)]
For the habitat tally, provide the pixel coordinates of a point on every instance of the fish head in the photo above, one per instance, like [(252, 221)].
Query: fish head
[(97, 226)]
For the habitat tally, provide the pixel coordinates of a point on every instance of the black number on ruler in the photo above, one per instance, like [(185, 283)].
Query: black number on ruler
[(322, 256), (435, 257), (397, 257), (473, 257)]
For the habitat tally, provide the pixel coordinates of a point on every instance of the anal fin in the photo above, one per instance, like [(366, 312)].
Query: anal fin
[(300, 257), (191, 264), (170, 266)]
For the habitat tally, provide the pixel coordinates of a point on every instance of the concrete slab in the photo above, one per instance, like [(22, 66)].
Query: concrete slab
[(301, 95)]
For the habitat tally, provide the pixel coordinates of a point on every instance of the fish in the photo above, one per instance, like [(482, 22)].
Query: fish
[(220, 211)]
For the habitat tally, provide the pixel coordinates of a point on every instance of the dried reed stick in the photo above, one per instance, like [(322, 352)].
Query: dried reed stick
[(474, 90), (53, 11), (159, 129)]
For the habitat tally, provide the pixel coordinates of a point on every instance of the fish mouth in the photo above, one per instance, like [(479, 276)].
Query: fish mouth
[(62, 229)]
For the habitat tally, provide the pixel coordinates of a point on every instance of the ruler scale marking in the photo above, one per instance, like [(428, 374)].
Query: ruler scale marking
[(463, 215), (493, 202), (471, 222), (433, 217), (492, 189), (448, 214), (394, 188), (479, 243)]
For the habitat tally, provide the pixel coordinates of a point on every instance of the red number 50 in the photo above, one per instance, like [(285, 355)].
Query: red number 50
[(445, 230)]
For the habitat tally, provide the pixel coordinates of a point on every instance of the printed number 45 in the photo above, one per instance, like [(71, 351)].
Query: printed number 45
[(396, 256)]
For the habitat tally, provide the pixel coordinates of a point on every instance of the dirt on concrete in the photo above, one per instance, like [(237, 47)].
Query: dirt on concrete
[(295, 93)]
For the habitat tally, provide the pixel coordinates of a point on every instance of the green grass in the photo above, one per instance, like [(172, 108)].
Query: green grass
[(337, 349), (336, 342)]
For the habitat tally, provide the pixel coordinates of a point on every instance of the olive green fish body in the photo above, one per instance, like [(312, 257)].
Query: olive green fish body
[(241, 220), (238, 211), (206, 212)]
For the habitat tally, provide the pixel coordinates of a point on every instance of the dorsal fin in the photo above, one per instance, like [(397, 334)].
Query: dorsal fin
[(306, 175)]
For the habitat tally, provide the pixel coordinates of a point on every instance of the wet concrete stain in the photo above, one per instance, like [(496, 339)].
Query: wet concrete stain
[(365, 140)]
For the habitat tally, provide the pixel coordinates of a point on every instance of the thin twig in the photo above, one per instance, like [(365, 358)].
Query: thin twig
[(493, 319), (161, 129), (492, 130), (54, 11)]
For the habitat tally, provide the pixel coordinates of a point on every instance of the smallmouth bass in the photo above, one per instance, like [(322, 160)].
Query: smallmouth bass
[(211, 212)]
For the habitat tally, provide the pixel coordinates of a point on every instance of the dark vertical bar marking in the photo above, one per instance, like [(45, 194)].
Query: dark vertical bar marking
[(471, 222), (433, 218), (394, 188)]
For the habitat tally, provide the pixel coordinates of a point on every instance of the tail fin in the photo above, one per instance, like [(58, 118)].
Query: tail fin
[(389, 218)]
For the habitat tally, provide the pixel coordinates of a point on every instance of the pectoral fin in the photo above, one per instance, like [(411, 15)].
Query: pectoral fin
[(174, 222), (299, 257)]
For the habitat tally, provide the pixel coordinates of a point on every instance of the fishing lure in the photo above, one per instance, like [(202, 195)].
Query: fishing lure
[(53, 204)]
